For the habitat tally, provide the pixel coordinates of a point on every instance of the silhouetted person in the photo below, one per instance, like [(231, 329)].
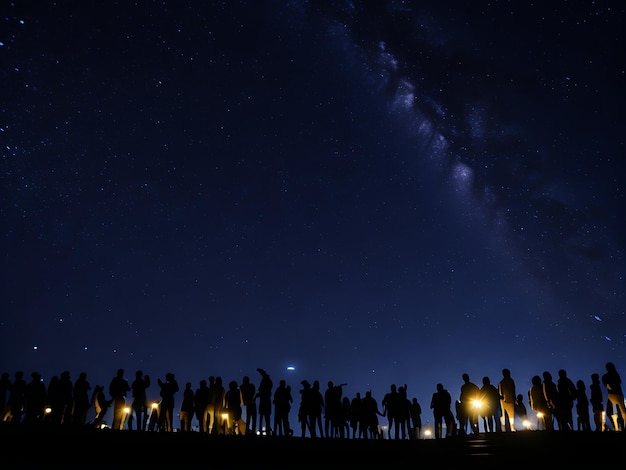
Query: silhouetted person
[(216, 404), (82, 403), (318, 409), (403, 416), (216, 396), (371, 413), (506, 389), (233, 402), (282, 406), (201, 401), (441, 404), (389, 405), (551, 393), (169, 388), (470, 393), (415, 411), (356, 416), (305, 410), (539, 404), (248, 397), (613, 383), (332, 408), (15, 401), (582, 407), (139, 406), (64, 399), (118, 388), (567, 397), (264, 395), (187, 408), (520, 410), (35, 399), (100, 404), (597, 402), (343, 418), (490, 410)]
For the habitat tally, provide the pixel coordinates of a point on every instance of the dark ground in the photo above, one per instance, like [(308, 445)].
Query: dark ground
[(91, 449)]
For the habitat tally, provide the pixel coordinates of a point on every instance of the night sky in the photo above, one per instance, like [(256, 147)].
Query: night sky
[(370, 192)]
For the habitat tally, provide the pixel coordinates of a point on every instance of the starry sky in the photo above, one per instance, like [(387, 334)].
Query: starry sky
[(368, 192)]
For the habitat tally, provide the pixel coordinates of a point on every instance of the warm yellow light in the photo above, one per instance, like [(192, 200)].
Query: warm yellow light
[(526, 424), (155, 405), (427, 432), (477, 404), (48, 410), (127, 409), (224, 415), (539, 415)]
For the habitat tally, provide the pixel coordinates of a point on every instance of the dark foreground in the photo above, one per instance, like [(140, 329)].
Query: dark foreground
[(91, 449)]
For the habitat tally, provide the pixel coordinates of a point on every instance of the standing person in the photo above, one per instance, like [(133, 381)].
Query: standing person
[(470, 393), (201, 401), (613, 383), (506, 389), (118, 388), (265, 401), (415, 411), (539, 404), (582, 407), (35, 399), (140, 401), (65, 394), (520, 411), (187, 408), (81, 400), (248, 397), (305, 414), (597, 401), (490, 410), (282, 407), (332, 408), (356, 416), (232, 404), (169, 388), (389, 405), (216, 404), (317, 409), (370, 416), (567, 397), (441, 404), (14, 409), (551, 393)]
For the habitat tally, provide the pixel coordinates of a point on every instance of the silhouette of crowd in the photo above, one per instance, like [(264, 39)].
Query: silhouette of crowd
[(248, 407)]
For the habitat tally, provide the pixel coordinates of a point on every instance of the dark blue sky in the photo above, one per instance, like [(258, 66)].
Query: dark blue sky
[(371, 192)]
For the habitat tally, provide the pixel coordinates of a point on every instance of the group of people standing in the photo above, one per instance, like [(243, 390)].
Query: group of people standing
[(555, 404), (245, 408)]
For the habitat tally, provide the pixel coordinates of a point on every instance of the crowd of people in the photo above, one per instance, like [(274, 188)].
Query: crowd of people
[(248, 408)]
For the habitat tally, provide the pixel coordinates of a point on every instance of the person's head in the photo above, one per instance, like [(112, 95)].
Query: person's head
[(139, 374), (610, 367), (246, 379), (595, 377), (536, 380), (562, 373), (486, 381), (440, 387), (547, 376), (506, 373), (465, 378)]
